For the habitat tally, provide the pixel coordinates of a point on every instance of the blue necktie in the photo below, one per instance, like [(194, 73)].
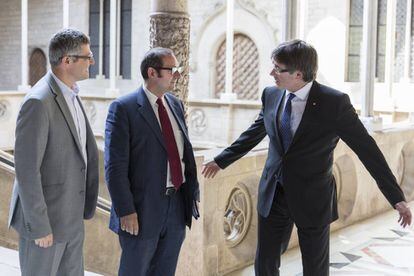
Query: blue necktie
[(285, 129)]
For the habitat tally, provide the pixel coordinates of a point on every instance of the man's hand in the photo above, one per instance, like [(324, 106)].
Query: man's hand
[(210, 169), (45, 242), (129, 223), (405, 213)]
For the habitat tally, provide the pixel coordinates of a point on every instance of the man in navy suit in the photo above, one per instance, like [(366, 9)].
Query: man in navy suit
[(150, 170), (304, 121)]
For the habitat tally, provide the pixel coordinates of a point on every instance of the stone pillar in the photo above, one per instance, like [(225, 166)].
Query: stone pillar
[(301, 11), (101, 42), (390, 45), (288, 27), (118, 40), (65, 13), (368, 54), (407, 46), (112, 91), (24, 86), (170, 28)]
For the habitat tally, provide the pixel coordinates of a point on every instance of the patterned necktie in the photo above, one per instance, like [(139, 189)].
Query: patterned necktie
[(172, 150), (285, 129)]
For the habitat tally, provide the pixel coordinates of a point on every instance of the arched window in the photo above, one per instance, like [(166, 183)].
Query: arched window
[(37, 66), (245, 68)]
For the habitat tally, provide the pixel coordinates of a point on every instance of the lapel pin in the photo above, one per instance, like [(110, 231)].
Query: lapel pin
[(314, 104)]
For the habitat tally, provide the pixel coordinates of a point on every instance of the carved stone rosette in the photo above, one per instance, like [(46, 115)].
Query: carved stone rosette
[(237, 216), (172, 30)]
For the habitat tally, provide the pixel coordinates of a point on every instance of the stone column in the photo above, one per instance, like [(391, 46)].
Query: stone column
[(24, 86), (301, 11), (228, 92), (390, 45), (65, 13), (407, 50), (289, 24), (368, 54), (101, 42), (112, 91), (170, 28)]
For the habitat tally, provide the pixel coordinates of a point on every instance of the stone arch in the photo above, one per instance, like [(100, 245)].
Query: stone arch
[(347, 185), (37, 66), (406, 166), (209, 40)]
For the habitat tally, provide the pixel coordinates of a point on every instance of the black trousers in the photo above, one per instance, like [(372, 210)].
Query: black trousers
[(273, 237)]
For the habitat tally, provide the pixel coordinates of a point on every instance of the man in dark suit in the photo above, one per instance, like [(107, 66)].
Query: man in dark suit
[(304, 121), (150, 170)]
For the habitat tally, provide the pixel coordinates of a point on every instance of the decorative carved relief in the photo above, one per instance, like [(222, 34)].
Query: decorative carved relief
[(172, 30), (198, 121), (237, 215), (90, 110), (4, 106)]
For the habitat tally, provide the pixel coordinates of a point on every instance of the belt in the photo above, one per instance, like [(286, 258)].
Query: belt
[(170, 191)]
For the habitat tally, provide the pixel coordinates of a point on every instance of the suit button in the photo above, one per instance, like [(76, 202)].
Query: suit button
[(81, 192)]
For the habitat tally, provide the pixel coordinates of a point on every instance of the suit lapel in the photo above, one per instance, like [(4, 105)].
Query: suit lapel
[(146, 110), (311, 103), (276, 105), (176, 109), (63, 106)]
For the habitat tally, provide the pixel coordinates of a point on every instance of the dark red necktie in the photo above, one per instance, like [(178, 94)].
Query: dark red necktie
[(172, 150)]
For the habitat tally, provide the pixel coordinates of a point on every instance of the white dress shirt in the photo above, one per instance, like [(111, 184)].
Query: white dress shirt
[(298, 106), (73, 102), (178, 135)]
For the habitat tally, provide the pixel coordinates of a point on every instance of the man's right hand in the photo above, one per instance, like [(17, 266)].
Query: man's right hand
[(45, 242), (129, 223), (210, 169)]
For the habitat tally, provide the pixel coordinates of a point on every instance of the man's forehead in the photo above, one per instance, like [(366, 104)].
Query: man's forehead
[(171, 59)]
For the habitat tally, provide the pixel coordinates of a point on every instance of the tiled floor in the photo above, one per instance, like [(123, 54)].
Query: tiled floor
[(378, 246)]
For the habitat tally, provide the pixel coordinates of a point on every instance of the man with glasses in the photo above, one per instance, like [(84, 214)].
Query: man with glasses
[(304, 121), (56, 162), (150, 170)]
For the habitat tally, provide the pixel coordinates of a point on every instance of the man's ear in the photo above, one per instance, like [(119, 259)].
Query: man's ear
[(299, 75), (152, 73)]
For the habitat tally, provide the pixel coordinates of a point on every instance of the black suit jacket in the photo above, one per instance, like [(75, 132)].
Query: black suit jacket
[(136, 163), (306, 168)]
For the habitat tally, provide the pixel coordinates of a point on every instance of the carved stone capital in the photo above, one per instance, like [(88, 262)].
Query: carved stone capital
[(172, 30)]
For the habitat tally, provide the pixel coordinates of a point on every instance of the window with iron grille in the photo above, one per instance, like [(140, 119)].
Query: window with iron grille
[(245, 68)]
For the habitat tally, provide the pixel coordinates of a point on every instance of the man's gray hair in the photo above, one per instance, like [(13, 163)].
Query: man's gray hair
[(66, 42)]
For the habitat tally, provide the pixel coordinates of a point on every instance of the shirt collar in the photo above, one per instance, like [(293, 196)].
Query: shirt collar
[(66, 90), (302, 93), (151, 97)]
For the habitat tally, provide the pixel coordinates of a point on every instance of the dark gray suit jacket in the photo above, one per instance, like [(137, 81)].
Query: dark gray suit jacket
[(52, 193), (305, 170)]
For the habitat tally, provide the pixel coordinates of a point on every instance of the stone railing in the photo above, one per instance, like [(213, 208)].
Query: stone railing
[(224, 238)]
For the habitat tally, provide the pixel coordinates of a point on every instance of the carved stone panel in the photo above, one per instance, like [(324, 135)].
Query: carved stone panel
[(4, 110), (90, 110), (238, 214), (198, 121)]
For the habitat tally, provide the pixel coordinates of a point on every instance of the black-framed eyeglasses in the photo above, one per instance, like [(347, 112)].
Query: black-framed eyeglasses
[(175, 69), (279, 70), (89, 57)]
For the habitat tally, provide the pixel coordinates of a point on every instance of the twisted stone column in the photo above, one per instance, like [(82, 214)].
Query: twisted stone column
[(170, 28)]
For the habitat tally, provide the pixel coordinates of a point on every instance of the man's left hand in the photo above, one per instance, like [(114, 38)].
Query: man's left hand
[(405, 213)]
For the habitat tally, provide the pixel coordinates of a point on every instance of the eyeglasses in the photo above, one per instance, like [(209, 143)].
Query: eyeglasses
[(279, 70), (176, 69), (90, 57)]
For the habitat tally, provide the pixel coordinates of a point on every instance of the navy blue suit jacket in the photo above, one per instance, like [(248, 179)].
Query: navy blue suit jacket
[(306, 168), (136, 163)]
